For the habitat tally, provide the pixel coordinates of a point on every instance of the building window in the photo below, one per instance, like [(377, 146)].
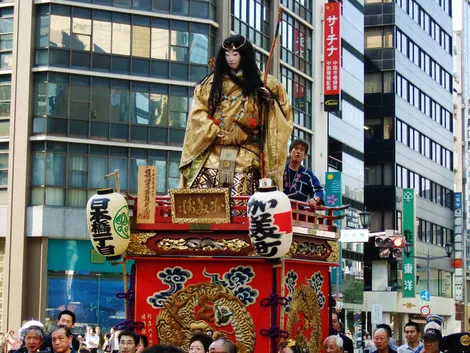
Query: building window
[(6, 37), (102, 108), (299, 90), (418, 56), (302, 8), (378, 82), (81, 280), (427, 23), (3, 172), (426, 188), (251, 19), (378, 37), (296, 44), (122, 43), (373, 174), (417, 98), (68, 174)]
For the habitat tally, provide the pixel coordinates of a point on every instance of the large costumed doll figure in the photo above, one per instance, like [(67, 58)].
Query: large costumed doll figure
[(223, 142)]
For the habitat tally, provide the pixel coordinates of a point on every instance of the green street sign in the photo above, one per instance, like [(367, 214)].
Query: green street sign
[(409, 234)]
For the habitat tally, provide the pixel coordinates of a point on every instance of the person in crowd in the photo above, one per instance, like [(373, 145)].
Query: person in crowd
[(299, 181), (382, 341), (62, 339), (432, 338), (32, 338), (100, 339), (163, 348), (434, 321), (92, 340), (413, 344), (13, 341), (128, 341), (347, 342), (65, 318), (333, 344), (392, 342), (455, 343), (114, 341), (289, 346), (143, 343), (222, 345), (106, 345), (200, 343), (222, 144)]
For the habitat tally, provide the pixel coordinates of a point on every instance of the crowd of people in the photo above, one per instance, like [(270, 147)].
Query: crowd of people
[(33, 339)]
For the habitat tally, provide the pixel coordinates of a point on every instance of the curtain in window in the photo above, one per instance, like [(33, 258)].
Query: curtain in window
[(78, 171)]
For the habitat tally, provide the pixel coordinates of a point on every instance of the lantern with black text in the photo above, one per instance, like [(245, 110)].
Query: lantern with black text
[(108, 223), (270, 215)]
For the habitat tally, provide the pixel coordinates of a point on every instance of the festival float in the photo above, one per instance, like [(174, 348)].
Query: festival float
[(255, 269)]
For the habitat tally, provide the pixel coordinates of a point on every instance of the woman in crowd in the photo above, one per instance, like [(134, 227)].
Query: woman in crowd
[(33, 339), (289, 346), (200, 343), (143, 343)]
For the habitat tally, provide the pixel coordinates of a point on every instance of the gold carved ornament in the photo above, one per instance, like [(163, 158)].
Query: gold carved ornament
[(334, 254), (207, 308), (304, 301), (137, 245), (206, 244)]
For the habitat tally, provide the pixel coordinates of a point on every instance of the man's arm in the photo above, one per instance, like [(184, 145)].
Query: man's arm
[(316, 189)]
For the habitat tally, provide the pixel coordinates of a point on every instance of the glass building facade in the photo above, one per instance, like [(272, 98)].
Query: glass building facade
[(110, 88)]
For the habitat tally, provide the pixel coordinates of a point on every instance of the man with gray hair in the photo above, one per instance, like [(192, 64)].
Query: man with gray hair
[(222, 345), (333, 344)]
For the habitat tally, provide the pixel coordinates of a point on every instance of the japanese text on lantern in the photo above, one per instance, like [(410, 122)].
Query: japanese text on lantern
[(148, 327), (263, 233), (146, 192), (101, 226), (332, 52)]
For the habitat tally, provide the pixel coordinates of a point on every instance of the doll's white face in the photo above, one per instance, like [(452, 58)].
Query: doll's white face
[(233, 59)]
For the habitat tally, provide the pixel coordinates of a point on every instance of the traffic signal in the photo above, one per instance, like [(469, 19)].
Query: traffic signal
[(390, 245)]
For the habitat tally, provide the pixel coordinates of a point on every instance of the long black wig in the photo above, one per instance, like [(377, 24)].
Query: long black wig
[(250, 80)]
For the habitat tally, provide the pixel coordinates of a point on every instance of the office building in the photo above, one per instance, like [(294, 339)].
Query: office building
[(409, 143)]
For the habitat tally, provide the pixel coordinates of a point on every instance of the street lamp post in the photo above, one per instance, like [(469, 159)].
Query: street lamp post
[(409, 248)]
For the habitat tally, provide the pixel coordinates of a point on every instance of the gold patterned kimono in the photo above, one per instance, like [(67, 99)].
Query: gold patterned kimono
[(202, 148)]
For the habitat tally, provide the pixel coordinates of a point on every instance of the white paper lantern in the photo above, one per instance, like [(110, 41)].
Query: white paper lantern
[(270, 215), (108, 222)]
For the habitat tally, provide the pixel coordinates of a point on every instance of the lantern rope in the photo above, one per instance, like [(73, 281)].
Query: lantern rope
[(129, 295), (130, 325), (274, 332), (273, 300)]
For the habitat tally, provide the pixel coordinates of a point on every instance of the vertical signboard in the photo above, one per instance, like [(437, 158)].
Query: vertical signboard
[(409, 233), (146, 192), (334, 197), (332, 56)]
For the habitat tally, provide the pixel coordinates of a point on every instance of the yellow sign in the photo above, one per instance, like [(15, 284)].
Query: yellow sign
[(96, 257), (207, 206), (146, 192)]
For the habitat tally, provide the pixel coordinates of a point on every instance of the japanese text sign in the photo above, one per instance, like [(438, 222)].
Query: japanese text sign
[(409, 233), (146, 192), (332, 56)]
